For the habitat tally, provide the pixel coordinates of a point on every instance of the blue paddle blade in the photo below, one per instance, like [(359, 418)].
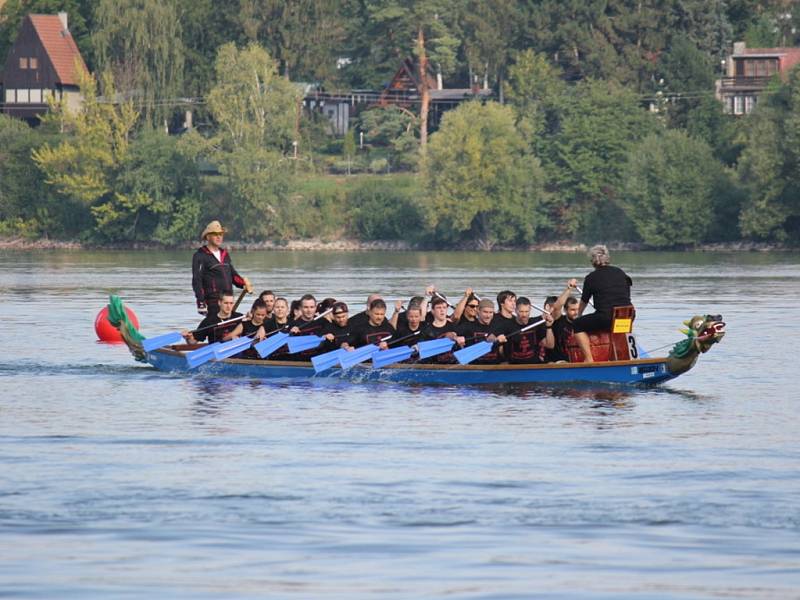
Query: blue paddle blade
[(434, 347), (159, 341), (388, 357), (323, 362), (351, 359), (195, 358), (470, 353), (232, 347), (269, 345), (304, 342)]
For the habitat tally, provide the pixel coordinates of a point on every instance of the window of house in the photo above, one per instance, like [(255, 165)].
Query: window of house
[(23, 62), (738, 105), (749, 104), (36, 96), (23, 97), (33, 62), (11, 97)]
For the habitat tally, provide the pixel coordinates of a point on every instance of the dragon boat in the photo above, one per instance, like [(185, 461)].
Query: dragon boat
[(616, 354)]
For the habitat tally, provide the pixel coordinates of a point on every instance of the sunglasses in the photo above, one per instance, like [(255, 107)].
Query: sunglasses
[(472, 306)]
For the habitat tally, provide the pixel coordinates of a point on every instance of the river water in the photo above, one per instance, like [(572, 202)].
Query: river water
[(117, 481)]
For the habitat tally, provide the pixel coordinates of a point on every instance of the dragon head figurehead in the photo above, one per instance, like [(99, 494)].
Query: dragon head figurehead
[(702, 332)]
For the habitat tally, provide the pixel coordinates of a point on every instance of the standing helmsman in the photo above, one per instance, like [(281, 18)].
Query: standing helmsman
[(212, 271), (609, 287)]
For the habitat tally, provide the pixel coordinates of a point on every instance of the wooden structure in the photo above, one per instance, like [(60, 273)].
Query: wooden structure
[(748, 71), (616, 344), (44, 60)]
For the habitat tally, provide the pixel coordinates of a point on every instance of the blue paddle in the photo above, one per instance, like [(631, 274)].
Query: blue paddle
[(299, 343), (474, 352), (359, 355), (269, 345), (195, 358), (175, 337), (323, 362), (434, 347), (392, 355), (232, 347), (387, 357)]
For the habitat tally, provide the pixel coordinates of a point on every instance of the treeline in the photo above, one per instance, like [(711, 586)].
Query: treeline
[(570, 147)]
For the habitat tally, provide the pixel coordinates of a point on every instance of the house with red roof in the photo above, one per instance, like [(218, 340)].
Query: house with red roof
[(43, 61), (748, 71)]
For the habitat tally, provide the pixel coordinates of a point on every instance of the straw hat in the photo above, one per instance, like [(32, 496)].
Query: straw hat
[(213, 227)]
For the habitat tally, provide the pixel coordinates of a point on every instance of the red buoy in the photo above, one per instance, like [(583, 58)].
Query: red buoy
[(106, 332)]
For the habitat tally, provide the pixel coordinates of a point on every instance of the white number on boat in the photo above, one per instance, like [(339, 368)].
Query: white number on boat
[(634, 352)]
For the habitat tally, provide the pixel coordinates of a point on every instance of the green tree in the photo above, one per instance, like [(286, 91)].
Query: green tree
[(304, 36), (392, 127), (82, 166), (769, 166), (538, 94), (601, 123), (668, 188), (490, 32), (140, 42), (483, 183), (422, 29), (256, 112), (28, 207)]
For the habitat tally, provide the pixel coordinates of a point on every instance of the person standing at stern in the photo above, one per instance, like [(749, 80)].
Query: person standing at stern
[(213, 273)]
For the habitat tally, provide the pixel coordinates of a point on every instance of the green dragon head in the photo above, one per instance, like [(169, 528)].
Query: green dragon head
[(702, 332)]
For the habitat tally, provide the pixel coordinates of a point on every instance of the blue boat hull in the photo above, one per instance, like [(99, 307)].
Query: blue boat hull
[(649, 371)]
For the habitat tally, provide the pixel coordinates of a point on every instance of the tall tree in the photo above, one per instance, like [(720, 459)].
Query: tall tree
[(256, 112), (483, 182), (490, 32), (600, 124), (769, 166), (140, 42), (423, 29), (668, 188)]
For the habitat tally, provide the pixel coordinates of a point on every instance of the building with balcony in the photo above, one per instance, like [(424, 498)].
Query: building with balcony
[(748, 71)]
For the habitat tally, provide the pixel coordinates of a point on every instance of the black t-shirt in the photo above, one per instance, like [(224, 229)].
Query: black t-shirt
[(562, 332), (432, 332), (358, 319), (474, 332), (403, 330), (526, 347), (215, 334), (341, 335), (366, 333), (608, 287), (402, 319)]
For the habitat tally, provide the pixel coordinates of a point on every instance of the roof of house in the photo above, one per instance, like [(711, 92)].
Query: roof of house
[(60, 47)]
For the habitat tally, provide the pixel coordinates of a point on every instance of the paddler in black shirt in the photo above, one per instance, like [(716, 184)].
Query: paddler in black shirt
[(483, 330), (504, 321), (207, 331), (359, 319), (608, 287), (338, 333), (307, 324), (412, 322), (254, 327), (278, 322), (527, 347), (375, 329), (441, 327)]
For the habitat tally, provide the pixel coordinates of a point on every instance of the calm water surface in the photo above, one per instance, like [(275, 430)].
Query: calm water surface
[(117, 481)]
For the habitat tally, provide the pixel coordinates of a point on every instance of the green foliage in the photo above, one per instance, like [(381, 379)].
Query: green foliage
[(140, 42), (483, 184), (381, 211), (668, 192), (393, 128), (769, 168), (82, 166), (252, 105), (304, 36), (601, 123)]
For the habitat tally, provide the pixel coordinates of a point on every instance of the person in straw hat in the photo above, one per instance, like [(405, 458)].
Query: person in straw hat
[(212, 271)]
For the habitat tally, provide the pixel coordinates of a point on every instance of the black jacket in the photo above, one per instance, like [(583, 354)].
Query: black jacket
[(212, 277)]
